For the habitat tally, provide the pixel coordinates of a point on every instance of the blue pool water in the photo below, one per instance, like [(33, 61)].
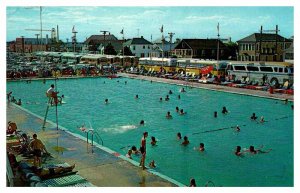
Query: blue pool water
[(118, 125)]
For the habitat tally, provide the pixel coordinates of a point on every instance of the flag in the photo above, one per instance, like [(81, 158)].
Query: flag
[(122, 32), (162, 29)]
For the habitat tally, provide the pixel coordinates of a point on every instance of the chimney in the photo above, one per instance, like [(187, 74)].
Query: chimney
[(142, 37)]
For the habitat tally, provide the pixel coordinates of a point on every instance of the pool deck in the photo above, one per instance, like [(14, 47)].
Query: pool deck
[(103, 167), (242, 91)]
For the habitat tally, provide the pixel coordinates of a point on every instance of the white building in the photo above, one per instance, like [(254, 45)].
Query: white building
[(140, 47)]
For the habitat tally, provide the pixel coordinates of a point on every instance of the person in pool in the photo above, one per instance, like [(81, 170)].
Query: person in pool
[(201, 147), (177, 109), (181, 112), (182, 90), (152, 164), (167, 98), (129, 153), (106, 101), (255, 151), (134, 150), (179, 136), (160, 99), (192, 183), (169, 116), (237, 128), (238, 151), (136, 96), (262, 119), (170, 92), (179, 96), (253, 117), (224, 111), (185, 141), (142, 123), (153, 141)]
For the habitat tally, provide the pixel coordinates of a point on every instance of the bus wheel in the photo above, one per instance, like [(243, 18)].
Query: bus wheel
[(274, 82)]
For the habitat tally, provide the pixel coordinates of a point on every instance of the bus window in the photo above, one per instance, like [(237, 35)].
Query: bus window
[(280, 69), (229, 67), (252, 68), (266, 69), (291, 70), (285, 70), (275, 69), (240, 68)]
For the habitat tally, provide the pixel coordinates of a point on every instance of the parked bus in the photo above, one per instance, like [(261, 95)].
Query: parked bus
[(275, 73), (167, 65)]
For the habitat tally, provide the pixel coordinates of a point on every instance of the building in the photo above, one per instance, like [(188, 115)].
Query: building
[(97, 43), (165, 46), (289, 52), (29, 45), (201, 48), (263, 47), (140, 47)]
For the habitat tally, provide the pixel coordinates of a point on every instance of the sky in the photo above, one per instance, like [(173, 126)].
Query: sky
[(184, 21)]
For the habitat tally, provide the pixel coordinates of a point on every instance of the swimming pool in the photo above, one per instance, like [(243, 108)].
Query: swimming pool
[(118, 125)]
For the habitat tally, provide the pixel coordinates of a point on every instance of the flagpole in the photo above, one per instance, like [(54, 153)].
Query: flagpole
[(218, 50)]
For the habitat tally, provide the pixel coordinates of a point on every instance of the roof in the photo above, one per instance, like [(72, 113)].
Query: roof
[(199, 44), (265, 37), (100, 38), (34, 41), (137, 41)]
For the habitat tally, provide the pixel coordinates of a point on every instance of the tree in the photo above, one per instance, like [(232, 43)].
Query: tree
[(110, 50), (127, 51), (232, 50)]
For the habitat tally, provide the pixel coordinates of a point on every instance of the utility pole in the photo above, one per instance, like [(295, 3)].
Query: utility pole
[(74, 38), (171, 37), (41, 27)]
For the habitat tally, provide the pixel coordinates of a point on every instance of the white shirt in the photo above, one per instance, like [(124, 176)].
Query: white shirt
[(50, 91)]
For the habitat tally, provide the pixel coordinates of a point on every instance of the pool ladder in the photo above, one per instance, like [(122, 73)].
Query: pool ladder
[(93, 133)]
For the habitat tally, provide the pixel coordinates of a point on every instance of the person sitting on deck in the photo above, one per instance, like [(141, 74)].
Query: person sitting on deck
[(37, 147), (152, 164), (11, 127), (128, 155), (19, 102), (135, 150), (13, 100)]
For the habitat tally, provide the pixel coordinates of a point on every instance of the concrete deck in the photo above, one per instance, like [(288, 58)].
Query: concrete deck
[(103, 168), (242, 91)]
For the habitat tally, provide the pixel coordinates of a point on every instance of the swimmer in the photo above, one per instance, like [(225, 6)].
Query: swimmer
[(262, 119), (182, 90), (125, 82), (160, 99), (142, 123), (153, 141), (292, 106), (179, 96), (134, 150), (106, 101), (185, 141), (177, 109), (224, 111), (152, 164), (253, 117), (136, 96), (201, 147), (255, 151), (169, 116), (167, 98), (192, 183), (179, 136), (181, 112), (170, 92), (238, 151), (19, 102), (237, 128), (128, 155), (286, 101), (215, 114)]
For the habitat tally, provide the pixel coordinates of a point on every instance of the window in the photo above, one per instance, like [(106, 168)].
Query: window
[(280, 70), (266, 69), (275, 69), (252, 68), (133, 47), (148, 47), (142, 55), (240, 68), (285, 70), (143, 47)]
